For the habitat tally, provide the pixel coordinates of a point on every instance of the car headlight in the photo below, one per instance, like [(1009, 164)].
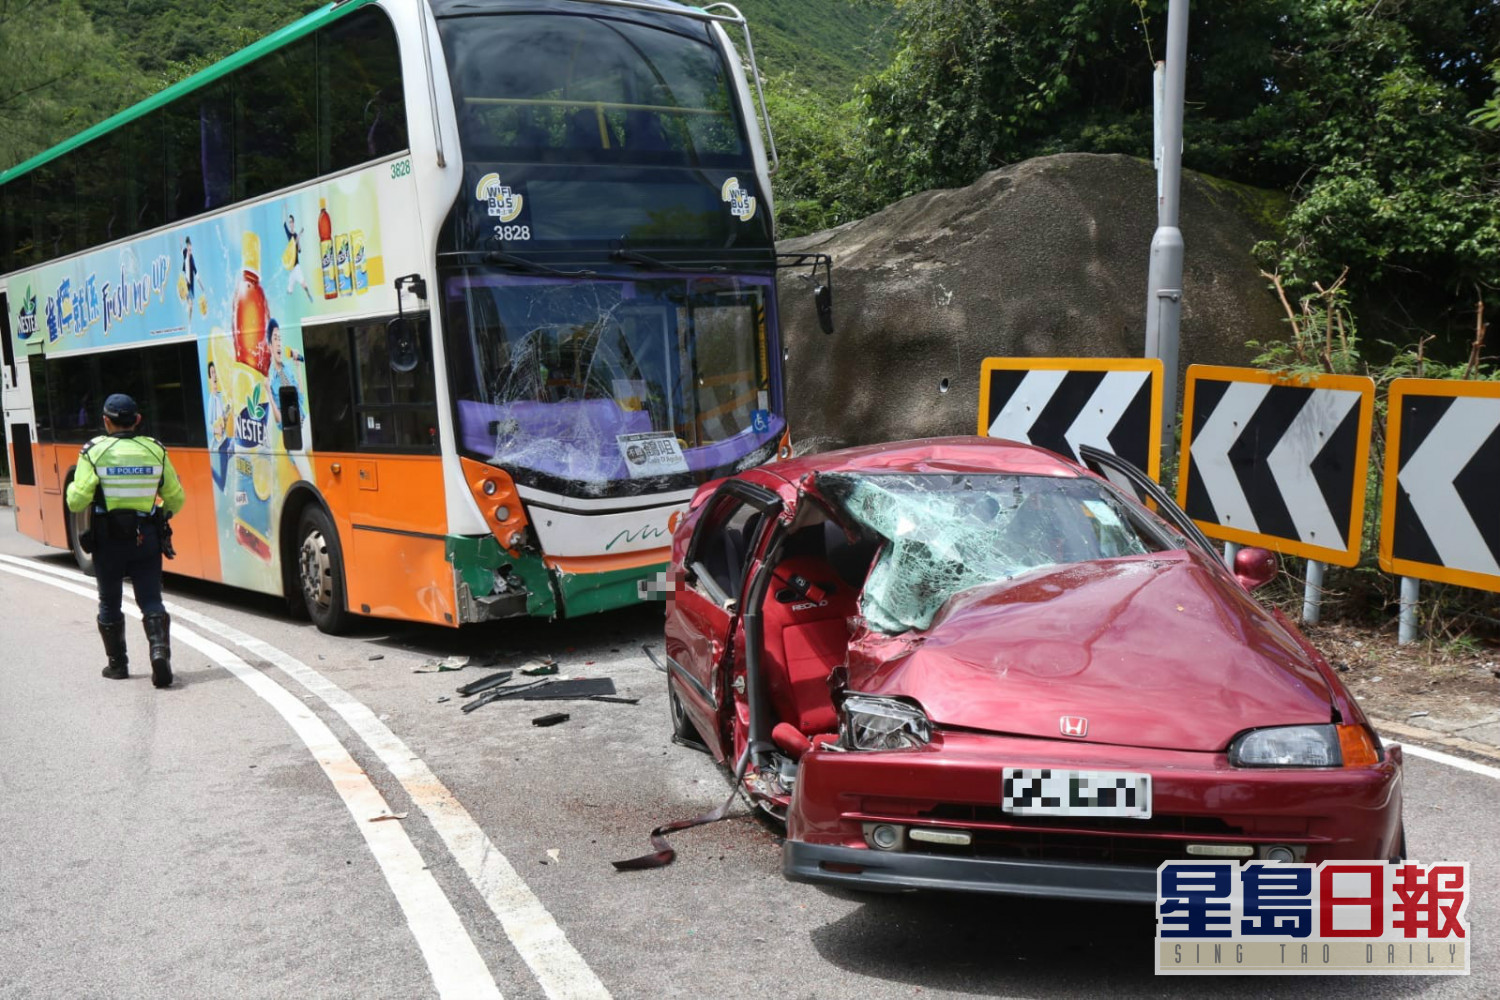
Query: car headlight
[(1287, 746), (867, 722)]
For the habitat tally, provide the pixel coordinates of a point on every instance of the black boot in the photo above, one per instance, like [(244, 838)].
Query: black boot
[(157, 632), (113, 634)]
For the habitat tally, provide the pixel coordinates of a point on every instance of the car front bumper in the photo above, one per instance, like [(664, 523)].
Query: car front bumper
[(895, 871), (954, 785)]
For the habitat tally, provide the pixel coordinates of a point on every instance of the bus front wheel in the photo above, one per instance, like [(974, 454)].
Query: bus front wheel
[(320, 571)]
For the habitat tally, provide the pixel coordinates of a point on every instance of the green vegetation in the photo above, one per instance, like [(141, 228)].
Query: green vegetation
[(1376, 118)]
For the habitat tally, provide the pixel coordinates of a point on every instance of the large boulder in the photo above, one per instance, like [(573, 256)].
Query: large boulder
[(1047, 258)]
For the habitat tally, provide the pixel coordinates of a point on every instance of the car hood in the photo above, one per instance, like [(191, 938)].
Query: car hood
[(1156, 651)]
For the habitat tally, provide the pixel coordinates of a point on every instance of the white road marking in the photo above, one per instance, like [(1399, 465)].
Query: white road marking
[(1450, 760), (458, 971), (559, 969)]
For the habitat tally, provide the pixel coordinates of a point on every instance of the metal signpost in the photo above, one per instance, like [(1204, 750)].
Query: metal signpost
[(1164, 283)]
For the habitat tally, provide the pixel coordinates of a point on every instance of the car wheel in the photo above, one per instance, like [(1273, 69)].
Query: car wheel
[(682, 726), (320, 572)]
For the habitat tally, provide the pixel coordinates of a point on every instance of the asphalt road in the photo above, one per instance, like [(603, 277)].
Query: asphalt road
[(216, 839)]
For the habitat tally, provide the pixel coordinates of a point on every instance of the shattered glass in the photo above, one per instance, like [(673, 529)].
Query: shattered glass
[(945, 533), (610, 385)]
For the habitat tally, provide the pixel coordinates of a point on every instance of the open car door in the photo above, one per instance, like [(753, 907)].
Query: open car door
[(704, 614), (1126, 476)]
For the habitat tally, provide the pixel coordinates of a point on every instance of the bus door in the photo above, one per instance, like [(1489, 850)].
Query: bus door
[(27, 473)]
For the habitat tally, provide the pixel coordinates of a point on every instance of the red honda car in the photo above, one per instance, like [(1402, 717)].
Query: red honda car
[(971, 664)]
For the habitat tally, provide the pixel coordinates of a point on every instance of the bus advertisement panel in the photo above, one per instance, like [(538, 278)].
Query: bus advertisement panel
[(240, 285)]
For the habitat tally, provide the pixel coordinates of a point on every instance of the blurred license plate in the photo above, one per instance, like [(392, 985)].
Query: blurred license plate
[(1052, 791)]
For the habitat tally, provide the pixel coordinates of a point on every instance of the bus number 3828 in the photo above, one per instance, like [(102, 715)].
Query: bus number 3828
[(512, 232)]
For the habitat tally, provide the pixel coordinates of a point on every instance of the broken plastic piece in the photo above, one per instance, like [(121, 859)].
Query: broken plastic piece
[(542, 668), (385, 816), (551, 720), (450, 663), (488, 681), (578, 687)]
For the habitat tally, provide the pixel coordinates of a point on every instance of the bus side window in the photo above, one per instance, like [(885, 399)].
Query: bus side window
[(395, 411), (276, 121), (330, 387), (359, 91), (183, 140)]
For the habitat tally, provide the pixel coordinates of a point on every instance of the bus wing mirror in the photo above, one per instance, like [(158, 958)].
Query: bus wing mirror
[(823, 300), (401, 345), (291, 417)]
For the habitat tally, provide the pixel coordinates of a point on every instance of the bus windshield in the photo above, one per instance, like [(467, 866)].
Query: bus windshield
[(539, 87), (613, 386)]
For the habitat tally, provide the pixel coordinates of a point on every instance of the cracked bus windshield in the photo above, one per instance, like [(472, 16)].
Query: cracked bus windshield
[(613, 387), (947, 533)]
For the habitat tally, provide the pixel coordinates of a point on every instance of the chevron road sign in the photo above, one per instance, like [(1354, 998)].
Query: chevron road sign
[(1113, 404), (1441, 516), (1277, 461)]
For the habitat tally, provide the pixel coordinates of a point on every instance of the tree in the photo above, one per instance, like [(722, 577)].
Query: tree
[(61, 75)]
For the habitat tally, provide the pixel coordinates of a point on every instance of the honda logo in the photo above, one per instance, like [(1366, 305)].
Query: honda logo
[(1073, 725)]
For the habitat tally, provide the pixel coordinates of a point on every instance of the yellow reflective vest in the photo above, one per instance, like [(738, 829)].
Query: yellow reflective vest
[(131, 470)]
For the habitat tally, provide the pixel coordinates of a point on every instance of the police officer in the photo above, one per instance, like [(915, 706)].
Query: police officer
[(121, 475)]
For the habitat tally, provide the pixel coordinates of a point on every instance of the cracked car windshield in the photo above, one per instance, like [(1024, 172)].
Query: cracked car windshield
[(947, 533), (613, 387)]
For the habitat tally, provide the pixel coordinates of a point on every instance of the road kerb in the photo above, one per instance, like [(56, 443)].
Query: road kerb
[(1431, 738)]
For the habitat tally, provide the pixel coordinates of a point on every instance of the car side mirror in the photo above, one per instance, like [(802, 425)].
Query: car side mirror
[(1255, 567), (401, 345), (823, 300)]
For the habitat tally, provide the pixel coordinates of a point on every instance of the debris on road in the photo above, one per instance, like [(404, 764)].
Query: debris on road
[(442, 698), (377, 656), (436, 666), (488, 681), (551, 720), (616, 699), (544, 667), (385, 816), (577, 687)]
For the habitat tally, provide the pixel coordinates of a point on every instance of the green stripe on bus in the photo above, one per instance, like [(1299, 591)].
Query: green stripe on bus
[(284, 36)]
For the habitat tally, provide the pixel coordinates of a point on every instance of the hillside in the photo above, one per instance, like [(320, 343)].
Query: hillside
[(826, 45), (71, 63)]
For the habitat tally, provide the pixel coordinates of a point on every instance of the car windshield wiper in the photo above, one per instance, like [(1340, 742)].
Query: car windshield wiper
[(516, 263), (657, 264)]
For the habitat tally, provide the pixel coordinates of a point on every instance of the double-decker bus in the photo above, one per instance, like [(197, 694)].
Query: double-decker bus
[(443, 307)]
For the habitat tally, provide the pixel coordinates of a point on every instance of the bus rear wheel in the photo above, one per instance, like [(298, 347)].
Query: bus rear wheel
[(320, 571)]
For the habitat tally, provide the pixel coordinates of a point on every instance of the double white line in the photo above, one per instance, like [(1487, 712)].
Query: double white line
[(457, 969)]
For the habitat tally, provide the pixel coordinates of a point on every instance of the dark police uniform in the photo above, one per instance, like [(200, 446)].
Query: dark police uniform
[(120, 476)]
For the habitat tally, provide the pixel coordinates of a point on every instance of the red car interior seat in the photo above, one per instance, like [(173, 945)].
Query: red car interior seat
[(806, 635)]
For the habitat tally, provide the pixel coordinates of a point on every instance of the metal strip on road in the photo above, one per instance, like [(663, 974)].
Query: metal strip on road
[(457, 969), (558, 967)]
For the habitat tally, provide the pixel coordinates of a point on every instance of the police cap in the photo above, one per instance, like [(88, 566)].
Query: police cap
[(121, 408)]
